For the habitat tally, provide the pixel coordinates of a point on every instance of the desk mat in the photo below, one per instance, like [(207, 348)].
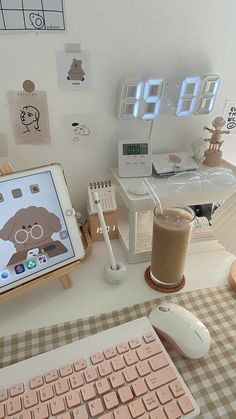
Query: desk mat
[(212, 379)]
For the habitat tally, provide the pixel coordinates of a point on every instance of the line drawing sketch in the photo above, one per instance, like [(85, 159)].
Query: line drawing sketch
[(43, 15), (29, 116)]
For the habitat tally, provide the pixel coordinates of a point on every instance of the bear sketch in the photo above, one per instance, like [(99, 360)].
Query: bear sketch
[(76, 71), (32, 228)]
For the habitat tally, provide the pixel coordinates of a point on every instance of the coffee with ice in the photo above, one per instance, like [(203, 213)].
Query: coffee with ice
[(171, 236)]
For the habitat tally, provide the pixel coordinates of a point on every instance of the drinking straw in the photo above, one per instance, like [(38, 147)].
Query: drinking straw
[(153, 194)]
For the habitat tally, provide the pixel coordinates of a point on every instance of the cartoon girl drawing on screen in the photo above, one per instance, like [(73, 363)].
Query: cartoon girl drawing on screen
[(29, 116)]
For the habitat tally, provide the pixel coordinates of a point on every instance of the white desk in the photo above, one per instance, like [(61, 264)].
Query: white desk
[(90, 294)]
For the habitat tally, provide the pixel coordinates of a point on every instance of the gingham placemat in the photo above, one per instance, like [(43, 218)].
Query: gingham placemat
[(212, 379)]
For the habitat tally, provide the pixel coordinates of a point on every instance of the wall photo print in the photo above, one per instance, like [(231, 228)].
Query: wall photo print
[(29, 115), (79, 130), (73, 70)]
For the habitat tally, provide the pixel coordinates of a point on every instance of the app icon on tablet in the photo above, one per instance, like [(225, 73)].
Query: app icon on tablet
[(31, 263), (4, 275), (42, 259), (19, 269)]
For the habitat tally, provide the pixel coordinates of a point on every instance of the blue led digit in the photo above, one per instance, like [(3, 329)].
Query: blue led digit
[(151, 102), (207, 96), (188, 95), (130, 99)]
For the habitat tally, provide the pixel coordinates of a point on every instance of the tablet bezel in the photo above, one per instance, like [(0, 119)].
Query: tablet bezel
[(68, 212)]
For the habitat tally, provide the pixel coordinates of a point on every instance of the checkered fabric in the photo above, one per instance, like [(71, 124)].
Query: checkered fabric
[(212, 379)]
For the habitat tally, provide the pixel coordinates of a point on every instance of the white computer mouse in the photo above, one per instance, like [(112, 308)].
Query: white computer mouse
[(138, 190), (185, 332)]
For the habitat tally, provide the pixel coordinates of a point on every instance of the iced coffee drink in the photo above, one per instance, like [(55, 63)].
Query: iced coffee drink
[(171, 236)]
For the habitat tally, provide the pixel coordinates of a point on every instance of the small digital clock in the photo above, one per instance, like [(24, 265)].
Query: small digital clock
[(135, 158), (146, 99)]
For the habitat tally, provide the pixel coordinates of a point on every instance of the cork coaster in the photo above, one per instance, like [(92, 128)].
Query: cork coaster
[(159, 287)]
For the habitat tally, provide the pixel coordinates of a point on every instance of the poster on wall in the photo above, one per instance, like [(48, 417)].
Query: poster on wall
[(29, 115), (73, 70), (230, 116), (79, 130), (32, 15)]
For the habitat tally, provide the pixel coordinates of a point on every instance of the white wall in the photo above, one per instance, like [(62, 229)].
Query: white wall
[(126, 38)]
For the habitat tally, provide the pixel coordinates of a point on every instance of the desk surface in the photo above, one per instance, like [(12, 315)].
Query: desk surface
[(91, 295)]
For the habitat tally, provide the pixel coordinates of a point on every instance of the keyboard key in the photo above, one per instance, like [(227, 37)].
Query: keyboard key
[(72, 399), (157, 414), (3, 394), (122, 347), (30, 399), (125, 394), (57, 406), (102, 386), (134, 343), (185, 404), (158, 361), (148, 350), (46, 392), (118, 363), (111, 400), (80, 413), (104, 368), (97, 357), (66, 370), (149, 337), (177, 388), (26, 414), (13, 406), (90, 374), (65, 415), (36, 382), (172, 411), (107, 416), (130, 374), (159, 378), (76, 380), (88, 392), (96, 407), (51, 376), (17, 389), (150, 401), (130, 358), (164, 394), (2, 411), (136, 408), (110, 352), (143, 368), (121, 413), (41, 411), (61, 386), (139, 387), (79, 365), (117, 380)]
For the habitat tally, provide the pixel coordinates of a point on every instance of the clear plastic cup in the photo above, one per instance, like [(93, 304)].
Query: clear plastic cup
[(171, 237)]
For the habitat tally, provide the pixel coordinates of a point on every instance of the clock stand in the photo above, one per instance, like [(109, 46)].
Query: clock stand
[(63, 273)]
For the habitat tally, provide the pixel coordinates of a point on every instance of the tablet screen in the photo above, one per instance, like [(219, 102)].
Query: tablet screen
[(33, 231)]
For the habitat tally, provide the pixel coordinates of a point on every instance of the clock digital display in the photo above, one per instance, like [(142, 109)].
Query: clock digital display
[(135, 149), (146, 99)]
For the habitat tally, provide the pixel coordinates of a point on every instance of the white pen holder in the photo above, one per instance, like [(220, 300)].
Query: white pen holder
[(115, 277)]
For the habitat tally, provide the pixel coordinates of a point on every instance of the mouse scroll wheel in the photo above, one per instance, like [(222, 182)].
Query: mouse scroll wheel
[(164, 309)]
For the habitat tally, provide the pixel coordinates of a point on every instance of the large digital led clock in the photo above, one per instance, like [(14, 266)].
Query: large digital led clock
[(146, 99)]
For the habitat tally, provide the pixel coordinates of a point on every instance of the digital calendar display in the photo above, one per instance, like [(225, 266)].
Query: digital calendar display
[(146, 99), (135, 149)]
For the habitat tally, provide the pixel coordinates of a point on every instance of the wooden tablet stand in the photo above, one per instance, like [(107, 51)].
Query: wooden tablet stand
[(63, 274)]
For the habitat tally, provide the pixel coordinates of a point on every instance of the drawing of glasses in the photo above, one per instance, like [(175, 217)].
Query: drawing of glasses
[(22, 235)]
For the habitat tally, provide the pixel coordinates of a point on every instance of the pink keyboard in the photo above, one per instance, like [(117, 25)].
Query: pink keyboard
[(121, 373)]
